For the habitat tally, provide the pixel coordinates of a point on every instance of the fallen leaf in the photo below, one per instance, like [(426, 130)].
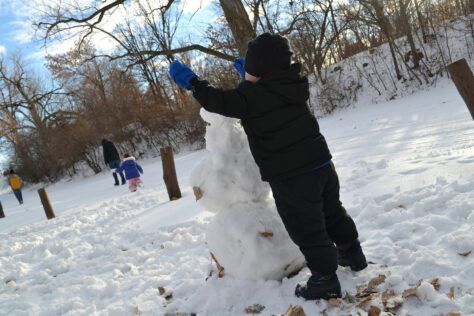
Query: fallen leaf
[(435, 283), (334, 302), (254, 309), (409, 292), (363, 303), (197, 193), (376, 281), (266, 234), (386, 296), (374, 311), (465, 254), (451, 293), (295, 311), (161, 290)]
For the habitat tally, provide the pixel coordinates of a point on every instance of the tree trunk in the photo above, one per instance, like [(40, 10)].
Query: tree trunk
[(239, 23), (407, 30), (420, 21), (48, 209), (169, 173), (462, 77)]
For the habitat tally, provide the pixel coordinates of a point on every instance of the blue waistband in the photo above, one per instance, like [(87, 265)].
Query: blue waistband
[(314, 168)]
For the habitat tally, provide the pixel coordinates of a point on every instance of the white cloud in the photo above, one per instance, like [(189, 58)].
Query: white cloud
[(3, 50)]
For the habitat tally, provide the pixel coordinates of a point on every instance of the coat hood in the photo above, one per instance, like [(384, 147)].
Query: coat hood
[(287, 85)]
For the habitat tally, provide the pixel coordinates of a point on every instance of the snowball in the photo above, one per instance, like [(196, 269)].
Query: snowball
[(426, 292)]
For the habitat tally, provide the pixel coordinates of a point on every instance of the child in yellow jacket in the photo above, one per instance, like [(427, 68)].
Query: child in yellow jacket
[(15, 184)]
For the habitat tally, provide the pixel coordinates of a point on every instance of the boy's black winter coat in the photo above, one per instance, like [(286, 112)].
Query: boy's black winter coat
[(283, 135)]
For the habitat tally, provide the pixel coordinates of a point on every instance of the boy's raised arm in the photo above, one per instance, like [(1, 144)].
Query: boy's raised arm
[(231, 103)]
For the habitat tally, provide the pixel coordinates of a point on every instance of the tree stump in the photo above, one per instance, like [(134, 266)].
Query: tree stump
[(2, 215), (463, 79), (48, 209), (169, 173)]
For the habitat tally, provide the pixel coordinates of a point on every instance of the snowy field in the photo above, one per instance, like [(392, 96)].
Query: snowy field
[(407, 177)]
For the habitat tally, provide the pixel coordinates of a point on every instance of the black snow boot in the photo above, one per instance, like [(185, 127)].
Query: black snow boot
[(320, 287), (351, 255)]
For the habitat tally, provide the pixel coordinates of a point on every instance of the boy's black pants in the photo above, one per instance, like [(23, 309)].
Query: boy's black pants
[(314, 217)]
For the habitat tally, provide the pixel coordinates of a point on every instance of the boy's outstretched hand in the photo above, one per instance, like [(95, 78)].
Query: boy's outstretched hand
[(181, 74), (239, 65)]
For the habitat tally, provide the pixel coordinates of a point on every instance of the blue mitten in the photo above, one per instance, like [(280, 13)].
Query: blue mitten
[(181, 74), (239, 65)]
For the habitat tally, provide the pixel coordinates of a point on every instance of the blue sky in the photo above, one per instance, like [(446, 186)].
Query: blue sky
[(16, 33)]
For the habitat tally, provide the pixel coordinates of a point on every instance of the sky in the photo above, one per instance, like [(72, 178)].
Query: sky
[(17, 34)]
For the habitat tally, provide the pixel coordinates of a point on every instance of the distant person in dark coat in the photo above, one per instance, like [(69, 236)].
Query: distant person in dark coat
[(112, 159), (132, 172)]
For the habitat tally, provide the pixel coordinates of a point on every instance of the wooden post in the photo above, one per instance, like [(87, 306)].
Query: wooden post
[(463, 79), (2, 215), (169, 173), (48, 209)]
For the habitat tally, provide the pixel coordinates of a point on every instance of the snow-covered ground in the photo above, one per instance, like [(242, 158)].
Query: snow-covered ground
[(407, 177)]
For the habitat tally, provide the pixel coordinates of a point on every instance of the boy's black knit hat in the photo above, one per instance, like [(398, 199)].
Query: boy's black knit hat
[(266, 54)]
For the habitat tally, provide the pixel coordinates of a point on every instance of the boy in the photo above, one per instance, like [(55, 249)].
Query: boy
[(291, 154), (132, 172)]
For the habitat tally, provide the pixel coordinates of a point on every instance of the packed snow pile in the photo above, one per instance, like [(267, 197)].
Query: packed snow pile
[(246, 229)]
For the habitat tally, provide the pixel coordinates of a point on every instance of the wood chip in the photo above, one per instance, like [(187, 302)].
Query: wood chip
[(295, 311), (197, 193), (374, 311), (452, 314), (266, 234), (254, 309), (465, 254), (220, 268)]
